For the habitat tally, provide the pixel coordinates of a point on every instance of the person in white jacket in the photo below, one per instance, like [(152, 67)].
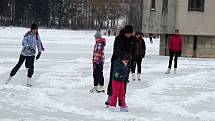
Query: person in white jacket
[(30, 42)]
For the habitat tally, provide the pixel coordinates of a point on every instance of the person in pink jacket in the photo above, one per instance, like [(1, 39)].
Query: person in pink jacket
[(175, 48)]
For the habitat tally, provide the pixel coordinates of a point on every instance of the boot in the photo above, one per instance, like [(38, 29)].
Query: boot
[(8, 80), (138, 77), (112, 109), (101, 89), (175, 70), (124, 109), (29, 82), (133, 76), (94, 89), (168, 71), (107, 102)]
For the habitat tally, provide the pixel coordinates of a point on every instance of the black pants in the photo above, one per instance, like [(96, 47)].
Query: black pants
[(98, 74), (29, 63), (171, 55), (137, 62), (109, 89)]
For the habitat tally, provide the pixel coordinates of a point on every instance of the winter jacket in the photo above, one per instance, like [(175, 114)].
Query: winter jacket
[(123, 44), (29, 44), (175, 43), (140, 47), (98, 51), (120, 71)]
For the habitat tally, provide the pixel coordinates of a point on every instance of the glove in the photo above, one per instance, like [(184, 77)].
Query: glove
[(38, 56), (118, 75)]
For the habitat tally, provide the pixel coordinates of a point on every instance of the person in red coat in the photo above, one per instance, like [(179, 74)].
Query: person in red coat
[(175, 48)]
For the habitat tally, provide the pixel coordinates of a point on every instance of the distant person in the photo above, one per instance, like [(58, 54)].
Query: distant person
[(29, 43), (109, 32), (151, 37), (114, 33), (139, 54), (175, 48), (119, 78), (124, 42), (98, 30), (98, 62)]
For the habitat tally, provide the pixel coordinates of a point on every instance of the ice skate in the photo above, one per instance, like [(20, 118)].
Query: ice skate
[(112, 109), (124, 109), (94, 89), (29, 83), (107, 102), (138, 77), (101, 89), (133, 76), (175, 70), (8, 80), (168, 71)]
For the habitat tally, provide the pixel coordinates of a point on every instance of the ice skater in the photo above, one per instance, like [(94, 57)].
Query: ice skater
[(139, 55), (175, 48), (98, 62), (124, 42), (30, 42), (151, 37), (119, 79)]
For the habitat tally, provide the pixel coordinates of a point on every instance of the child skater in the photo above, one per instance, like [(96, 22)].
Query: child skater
[(120, 77), (98, 62)]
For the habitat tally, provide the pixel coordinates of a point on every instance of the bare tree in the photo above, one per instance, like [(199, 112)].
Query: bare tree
[(72, 14)]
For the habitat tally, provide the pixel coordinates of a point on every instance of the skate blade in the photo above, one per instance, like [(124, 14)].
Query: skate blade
[(29, 85), (97, 91), (101, 91)]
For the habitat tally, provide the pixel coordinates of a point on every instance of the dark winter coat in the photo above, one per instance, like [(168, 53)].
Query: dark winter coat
[(123, 44), (120, 71), (175, 43), (140, 47)]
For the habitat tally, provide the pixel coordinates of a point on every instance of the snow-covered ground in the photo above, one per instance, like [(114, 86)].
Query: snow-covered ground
[(63, 77)]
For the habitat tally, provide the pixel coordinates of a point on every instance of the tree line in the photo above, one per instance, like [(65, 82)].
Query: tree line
[(71, 14)]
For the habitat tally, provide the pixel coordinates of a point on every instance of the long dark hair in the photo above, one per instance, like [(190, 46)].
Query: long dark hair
[(37, 34), (33, 26)]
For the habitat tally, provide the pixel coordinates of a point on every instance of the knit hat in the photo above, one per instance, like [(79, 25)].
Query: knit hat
[(128, 29), (34, 26), (126, 56), (97, 35), (138, 33)]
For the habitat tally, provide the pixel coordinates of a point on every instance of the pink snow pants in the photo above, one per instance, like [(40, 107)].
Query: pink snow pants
[(118, 91)]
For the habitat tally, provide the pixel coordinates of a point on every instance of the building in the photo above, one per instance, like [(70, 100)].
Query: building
[(194, 18)]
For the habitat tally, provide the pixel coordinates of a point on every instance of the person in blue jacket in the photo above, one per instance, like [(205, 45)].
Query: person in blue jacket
[(30, 42), (119, 79)]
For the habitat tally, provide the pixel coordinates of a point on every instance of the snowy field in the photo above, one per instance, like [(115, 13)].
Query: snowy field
[(63, 77)]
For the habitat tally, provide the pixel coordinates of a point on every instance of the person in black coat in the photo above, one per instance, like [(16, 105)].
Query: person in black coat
[(139, 54), (124, 42)]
